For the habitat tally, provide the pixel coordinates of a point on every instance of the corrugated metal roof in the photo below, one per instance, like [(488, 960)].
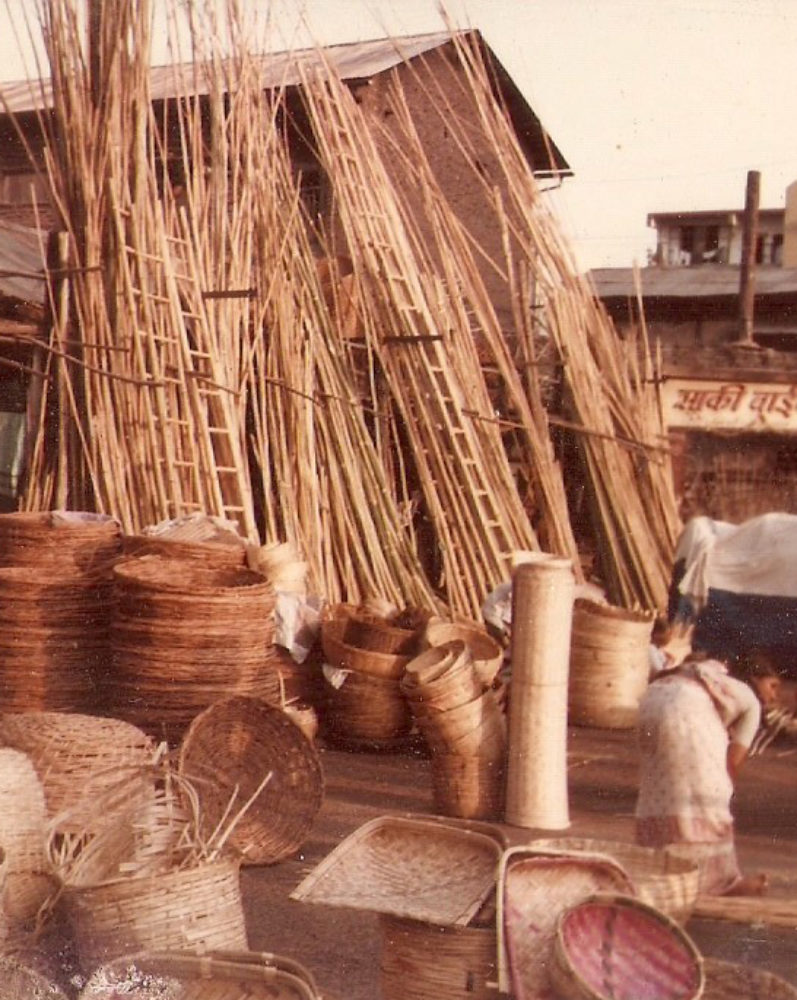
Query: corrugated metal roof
[(352, 61), (21, 255), (705, 281)]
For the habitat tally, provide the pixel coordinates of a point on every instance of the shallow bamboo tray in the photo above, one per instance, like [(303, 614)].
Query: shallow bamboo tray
[(227, 753), (533, 889), (407, 868), (212, 975), (661, 879)]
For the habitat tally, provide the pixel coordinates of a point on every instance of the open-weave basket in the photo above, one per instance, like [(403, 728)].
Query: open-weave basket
[(243, 749), (211, 975), (614, 947), (421, 961), (662, 879), (198, 907), (76, 756), (65, 541), (182, 637), (408, 868), (533, 889), (726, 980), (340, 653), (19, 982)]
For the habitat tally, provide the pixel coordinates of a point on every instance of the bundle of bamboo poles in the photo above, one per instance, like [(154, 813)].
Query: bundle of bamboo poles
[(199, 359)]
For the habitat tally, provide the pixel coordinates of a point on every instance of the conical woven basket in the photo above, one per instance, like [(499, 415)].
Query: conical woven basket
[(614, 947), (242, 750), (469, 787), (731, 981), (367, 709), (485, 651), (197, 907), (212, 975)]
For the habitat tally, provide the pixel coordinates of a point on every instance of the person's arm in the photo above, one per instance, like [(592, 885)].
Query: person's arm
[(737, 754)]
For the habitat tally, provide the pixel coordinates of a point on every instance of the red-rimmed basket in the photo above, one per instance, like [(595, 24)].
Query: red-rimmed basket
[(614, 947)]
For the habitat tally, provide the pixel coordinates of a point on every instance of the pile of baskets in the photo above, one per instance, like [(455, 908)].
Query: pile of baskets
[(465, 728), (365, 655)]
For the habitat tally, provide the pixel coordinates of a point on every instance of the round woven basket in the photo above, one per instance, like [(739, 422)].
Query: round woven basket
[(377, 634), (725, 980), (486, 653), (443, 677), (184, 636), (614, 947), (340, 653), (219, 554), (608, 665), (54, 641), (227, 754), (76, 756), (194, 908), (367, 709), (470, 787), (18, 982), (71, 542), (664, 880), (422, 961), (168, 975)]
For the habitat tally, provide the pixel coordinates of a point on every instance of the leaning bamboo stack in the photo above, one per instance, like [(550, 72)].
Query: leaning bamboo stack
[(464, 727)]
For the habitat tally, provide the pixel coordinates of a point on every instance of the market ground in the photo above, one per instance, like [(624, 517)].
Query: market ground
[(341, 947)]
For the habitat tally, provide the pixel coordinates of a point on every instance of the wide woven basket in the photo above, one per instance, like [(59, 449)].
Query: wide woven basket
[(212, 975), (66, 541), (533, 889), (608, 665), (197, 907), (661, 879), (368, 710), (19, 982), (421, 961), (182, 637), (409, 868), (76, 757), (340, 653), (242, 750), (218, 554), (614, 947), (730, 981)]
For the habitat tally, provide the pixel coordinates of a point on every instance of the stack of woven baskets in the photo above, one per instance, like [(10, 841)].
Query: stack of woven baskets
[(54, 604), (608, 664), (462, 722), (365, 656), (183, 636)]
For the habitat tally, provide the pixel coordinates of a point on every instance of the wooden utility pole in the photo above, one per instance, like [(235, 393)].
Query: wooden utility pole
[(747, 268)]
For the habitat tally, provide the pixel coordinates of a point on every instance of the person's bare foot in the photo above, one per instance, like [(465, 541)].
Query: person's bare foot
[(750, 885)]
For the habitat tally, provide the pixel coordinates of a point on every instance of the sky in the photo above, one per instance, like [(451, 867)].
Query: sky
[(657, 105)]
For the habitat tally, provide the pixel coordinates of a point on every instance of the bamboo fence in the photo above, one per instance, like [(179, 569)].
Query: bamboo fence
[(208, 354)]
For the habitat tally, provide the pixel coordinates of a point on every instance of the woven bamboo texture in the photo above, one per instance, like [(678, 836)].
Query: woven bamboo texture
[(367, 709), (70, 543), (182, 637), (608, 665), (212, 975), (486, 653), (536, 783), (242, 750), (76, 756), (533, 890), (425, 961), (198, 907), (731, 981), (54, 642), (662, 879), (27, 872), (19, 982), (220, 554), (407, 868), (468, 787), (381, 635), (614, 947), (340, 653)]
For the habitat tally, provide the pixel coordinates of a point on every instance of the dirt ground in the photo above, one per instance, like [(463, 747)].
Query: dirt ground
[(342, 947)]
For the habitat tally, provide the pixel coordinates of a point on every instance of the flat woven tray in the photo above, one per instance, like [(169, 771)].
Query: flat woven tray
[(215, 975), (534, 888), (407, 868)]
